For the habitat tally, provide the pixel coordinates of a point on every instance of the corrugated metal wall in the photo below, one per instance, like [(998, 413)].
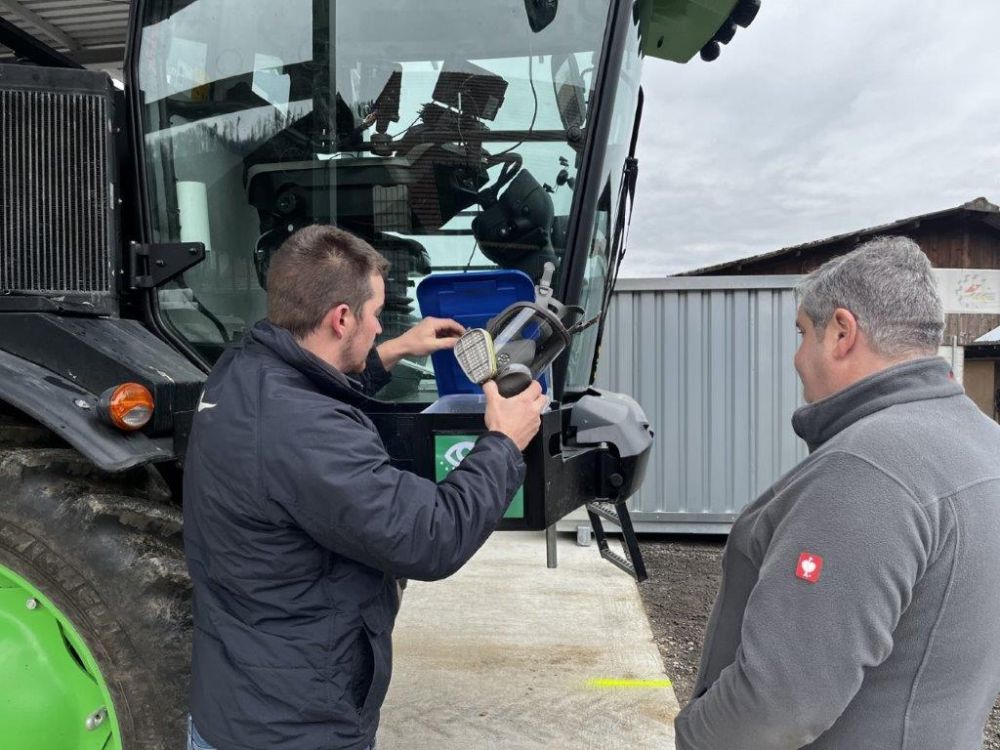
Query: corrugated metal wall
[(710, 361)]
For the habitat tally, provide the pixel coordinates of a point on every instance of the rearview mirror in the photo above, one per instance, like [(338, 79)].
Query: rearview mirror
[(540, 13)]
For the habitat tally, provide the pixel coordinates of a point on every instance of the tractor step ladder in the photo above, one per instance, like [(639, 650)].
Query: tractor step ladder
[(618, 513)]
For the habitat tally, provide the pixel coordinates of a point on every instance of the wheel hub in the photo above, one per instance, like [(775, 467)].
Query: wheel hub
[(54, 695)]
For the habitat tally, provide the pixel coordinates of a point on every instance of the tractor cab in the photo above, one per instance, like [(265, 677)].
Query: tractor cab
[(451, 136)]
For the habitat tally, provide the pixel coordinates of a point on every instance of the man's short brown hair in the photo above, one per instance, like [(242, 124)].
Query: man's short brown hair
[(316, 269)]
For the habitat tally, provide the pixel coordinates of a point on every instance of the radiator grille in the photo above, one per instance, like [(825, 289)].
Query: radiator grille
[(54, 202)]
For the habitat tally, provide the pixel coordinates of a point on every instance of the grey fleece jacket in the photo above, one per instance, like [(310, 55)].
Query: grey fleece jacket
[(892, 639)]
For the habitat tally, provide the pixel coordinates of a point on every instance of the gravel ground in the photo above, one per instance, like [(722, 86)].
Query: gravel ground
[(683, 580)]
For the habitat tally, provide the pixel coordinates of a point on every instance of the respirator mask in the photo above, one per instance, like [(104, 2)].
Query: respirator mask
[(519, 343)]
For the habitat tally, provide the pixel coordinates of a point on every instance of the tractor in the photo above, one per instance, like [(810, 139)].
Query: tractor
[(138, 216)]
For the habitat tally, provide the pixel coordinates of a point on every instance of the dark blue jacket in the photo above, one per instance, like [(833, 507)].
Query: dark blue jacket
[(295, 528)]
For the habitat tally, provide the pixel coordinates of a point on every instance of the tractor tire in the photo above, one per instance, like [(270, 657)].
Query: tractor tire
[(105, 552)]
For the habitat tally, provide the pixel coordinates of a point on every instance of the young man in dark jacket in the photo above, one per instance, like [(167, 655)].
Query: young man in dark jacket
[(859, 605), (296, 526)]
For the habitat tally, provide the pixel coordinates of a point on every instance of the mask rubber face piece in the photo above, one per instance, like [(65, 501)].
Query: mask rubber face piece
[(514, 379), (476, 356)]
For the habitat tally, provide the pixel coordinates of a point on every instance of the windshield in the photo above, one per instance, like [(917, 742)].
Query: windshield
[(403, 123)]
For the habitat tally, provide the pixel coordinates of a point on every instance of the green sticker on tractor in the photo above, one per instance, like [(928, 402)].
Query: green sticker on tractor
[(55, 696), (449, 450)]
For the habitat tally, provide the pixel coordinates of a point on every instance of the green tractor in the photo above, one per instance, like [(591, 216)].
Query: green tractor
[(137, 222)]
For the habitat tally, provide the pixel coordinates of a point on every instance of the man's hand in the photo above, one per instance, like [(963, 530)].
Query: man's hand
[(516, 417), (427, 336)]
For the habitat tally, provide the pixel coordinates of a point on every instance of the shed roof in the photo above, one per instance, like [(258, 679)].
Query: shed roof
[(991, 337), (980, 209), (91, 32)]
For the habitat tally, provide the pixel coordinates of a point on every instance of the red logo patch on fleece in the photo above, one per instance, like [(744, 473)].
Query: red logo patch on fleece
[(809, 567)]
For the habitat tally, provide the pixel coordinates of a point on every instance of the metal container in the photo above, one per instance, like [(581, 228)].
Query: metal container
[(710, 361)]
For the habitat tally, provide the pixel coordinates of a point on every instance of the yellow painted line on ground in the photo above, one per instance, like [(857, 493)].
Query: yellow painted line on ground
[(605, 683)]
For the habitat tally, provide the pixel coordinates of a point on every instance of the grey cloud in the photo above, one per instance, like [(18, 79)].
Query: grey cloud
[(821, 118)]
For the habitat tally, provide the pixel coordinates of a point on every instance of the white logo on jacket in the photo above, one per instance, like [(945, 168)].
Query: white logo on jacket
[(203, 404)]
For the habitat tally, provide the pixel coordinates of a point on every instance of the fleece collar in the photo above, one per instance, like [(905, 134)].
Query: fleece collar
[(915, 380)]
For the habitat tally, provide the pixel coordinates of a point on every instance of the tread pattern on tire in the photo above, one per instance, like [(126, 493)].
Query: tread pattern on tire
[(106, 549)]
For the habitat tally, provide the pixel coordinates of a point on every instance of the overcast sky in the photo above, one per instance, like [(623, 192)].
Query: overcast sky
[(821, 118)]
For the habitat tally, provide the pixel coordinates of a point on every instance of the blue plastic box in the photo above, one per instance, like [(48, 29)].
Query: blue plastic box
[(471, 298)]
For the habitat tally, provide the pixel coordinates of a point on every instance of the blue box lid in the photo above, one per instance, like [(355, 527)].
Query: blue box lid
[(471, 298)]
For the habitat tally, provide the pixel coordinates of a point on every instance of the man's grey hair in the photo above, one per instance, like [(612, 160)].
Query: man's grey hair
[(888, 285)]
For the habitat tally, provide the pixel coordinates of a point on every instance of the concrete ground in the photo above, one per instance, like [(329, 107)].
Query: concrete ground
[(503, 656)]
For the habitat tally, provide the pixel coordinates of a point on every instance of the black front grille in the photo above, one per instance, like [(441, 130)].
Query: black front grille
[(56, 230)]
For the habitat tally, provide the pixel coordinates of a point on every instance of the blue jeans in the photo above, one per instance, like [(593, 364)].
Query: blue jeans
[(197, 742)]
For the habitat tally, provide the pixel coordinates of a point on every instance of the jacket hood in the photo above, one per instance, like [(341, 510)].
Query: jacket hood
[(916, 380)]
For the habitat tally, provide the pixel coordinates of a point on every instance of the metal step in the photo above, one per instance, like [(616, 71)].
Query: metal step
[(618, 513)]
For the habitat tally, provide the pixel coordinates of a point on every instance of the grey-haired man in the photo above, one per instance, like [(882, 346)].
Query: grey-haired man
[(860, 600)]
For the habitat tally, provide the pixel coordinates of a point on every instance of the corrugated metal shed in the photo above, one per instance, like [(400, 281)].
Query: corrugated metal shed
[(89, 31), (710, 360)]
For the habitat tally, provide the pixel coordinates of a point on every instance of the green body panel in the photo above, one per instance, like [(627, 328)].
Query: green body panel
[(449, 450), (677, 29), (50, 693)]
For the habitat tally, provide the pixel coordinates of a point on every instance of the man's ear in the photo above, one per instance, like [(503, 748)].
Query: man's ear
[(843, 331), (338, 320)]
